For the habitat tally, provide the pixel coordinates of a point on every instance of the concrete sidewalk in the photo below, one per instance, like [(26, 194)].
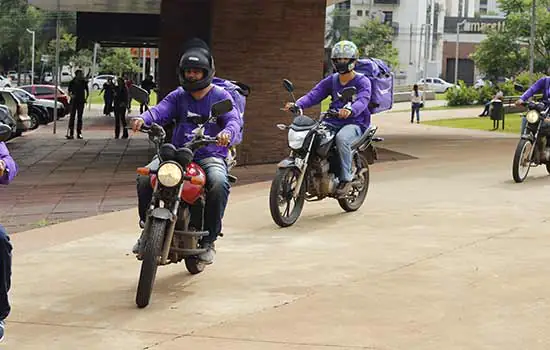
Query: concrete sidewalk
[(445, 254)]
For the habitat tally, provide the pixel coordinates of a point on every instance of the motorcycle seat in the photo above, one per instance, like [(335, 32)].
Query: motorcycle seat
[(366, 135)]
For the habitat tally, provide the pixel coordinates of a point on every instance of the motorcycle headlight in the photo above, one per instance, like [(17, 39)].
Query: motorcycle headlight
[(170, 174), (296, 138), (532, 116)]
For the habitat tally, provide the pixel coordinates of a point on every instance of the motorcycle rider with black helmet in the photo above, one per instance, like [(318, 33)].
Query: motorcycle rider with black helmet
[(352, 121), (195, 96)]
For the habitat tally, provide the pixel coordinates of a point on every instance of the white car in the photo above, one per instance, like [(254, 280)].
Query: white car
[(97, 82), (5, 82), (66, 77), (436, 84)]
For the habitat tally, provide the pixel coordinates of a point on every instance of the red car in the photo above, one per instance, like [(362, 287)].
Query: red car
[(47, 92)]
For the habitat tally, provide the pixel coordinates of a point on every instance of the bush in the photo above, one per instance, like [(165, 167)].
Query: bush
[(524, 79), (507, 88), (485, 93), (462, 96)]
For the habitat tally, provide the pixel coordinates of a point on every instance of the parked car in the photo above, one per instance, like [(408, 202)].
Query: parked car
[(437, 85), (7, 118), (5, 82), (65, 78), (97, 82), (46, 105), (18, 109), (36, 110), (46, 92)]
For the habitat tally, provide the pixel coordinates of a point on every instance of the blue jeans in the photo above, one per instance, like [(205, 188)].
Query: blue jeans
[(415, 108), (5, 272), (344, 138), (217, 194)]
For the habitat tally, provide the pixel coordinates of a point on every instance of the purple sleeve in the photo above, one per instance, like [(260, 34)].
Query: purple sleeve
[(10, 164), (317, 94), (536, 87), (232, 123), (164, 111), (363, 96)]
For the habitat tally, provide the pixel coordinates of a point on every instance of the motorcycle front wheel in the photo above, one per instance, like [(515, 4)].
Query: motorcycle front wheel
[(281, 197), (359, 192), (149, 264), (522, 163)]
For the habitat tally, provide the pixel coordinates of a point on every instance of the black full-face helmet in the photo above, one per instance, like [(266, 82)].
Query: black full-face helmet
[(344, 50), (196, 56)]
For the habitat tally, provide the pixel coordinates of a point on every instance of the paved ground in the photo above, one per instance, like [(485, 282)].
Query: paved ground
[(63, 179), (447, 253)]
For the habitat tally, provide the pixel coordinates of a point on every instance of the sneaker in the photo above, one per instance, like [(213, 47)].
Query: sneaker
[(343, 188), (2, 326), (79, 136), (137, 247), (208, 256)]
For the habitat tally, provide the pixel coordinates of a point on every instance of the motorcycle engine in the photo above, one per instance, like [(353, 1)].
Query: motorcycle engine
[(324, 183)]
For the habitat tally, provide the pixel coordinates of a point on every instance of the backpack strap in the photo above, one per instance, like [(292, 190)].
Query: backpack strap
[(334, 86)]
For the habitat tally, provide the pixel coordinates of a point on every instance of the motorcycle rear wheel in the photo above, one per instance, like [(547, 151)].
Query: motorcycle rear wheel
[(353, 204), (149, 264), (517, 173), (281, 191)]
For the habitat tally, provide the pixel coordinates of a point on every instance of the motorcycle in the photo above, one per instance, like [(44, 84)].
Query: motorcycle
[(533, 148), (174, 224), (310, 171)]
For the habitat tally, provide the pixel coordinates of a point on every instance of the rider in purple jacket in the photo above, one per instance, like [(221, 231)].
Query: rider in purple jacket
[(351, 121), (196, 96), (8, 170)]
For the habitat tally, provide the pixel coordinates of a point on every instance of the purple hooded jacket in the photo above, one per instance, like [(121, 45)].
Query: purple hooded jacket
[(10, 164), (360, 113), (179, 103), (537, 87)]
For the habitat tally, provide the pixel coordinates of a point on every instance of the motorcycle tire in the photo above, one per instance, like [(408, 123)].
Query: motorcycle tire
[(278, 217), (522, 144), (193, 265), (346, 203), (149, 264)]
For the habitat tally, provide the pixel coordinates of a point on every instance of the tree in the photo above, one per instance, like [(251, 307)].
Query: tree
[(374, 39), (506, 53), (119, 62), (15, 17)]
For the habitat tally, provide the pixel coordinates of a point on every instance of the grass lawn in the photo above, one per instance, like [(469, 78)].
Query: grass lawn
[(440, 96), (95, 98), (512, 125)]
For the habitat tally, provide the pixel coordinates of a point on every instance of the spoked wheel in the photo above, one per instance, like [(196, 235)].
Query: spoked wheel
[(285, 209), (522, 163), (359, 192), (35, 121), (149, 264)]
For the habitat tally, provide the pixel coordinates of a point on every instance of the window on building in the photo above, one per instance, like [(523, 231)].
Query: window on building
[(388, 17), (359, 12)]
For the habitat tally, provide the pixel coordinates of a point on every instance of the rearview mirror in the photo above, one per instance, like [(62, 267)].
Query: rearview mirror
[(288, 85), (348, 93), (139, 94), (5, 132), (221, 107)]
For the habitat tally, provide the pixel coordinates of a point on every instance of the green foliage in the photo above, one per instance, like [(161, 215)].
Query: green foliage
[(462, 96), (502, 54), (119, 63), (507, 88), (525, 79), (485, 93), (374, 39)]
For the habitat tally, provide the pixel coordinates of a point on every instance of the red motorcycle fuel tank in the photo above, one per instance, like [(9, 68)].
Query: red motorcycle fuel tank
[(192, 191)]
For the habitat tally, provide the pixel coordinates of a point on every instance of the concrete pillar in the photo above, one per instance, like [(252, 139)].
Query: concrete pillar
[(180, 21)]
